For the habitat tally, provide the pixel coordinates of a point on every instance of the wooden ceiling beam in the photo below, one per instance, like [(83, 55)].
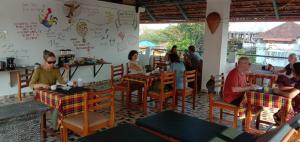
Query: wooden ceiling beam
[(149, 14), (168, 2), (275, 9), (182, 11)]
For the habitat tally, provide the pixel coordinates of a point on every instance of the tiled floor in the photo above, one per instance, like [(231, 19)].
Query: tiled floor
[(124, 115)]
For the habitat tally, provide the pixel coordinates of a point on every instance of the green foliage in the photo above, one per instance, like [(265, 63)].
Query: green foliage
[(182, 35)]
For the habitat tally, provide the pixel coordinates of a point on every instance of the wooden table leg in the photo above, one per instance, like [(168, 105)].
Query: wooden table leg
[(43, 126), (248, 118), (145, 99)]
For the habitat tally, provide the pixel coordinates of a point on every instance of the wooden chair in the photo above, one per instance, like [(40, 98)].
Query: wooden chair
[(189, 77), (23, 81), (260, 78), (91, 120), (222, 105), (166, 78), (117, 73), (127, 69), (160, 62)]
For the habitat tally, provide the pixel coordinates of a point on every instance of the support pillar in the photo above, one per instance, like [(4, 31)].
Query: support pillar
[(215, 45)]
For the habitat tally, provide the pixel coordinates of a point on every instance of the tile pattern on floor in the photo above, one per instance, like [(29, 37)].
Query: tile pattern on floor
[(124, 115)]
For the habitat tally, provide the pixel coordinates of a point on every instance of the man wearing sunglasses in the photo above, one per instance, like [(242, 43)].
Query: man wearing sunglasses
[(236, 83)]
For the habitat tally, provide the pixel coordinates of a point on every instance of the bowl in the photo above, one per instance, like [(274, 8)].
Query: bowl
[(53, 87)]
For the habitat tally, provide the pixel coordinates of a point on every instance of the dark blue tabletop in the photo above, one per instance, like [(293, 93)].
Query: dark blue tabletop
[(123, 133), (190, 129)]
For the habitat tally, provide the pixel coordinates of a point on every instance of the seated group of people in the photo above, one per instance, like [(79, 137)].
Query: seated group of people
[(288, 80), (175, 64)]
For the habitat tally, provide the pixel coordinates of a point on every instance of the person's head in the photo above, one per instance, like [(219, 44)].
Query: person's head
[(174, 58), (244, 64), (133, 55), (174, 49), (49, 58), (292, 58), (192, 48), (296, 70)]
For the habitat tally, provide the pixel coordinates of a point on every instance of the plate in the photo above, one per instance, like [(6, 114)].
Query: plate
[(66, 88)]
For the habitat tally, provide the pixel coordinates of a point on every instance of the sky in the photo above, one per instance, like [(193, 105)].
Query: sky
[(233, 26)]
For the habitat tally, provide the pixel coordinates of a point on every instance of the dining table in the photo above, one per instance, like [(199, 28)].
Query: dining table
[(264, 98), (67, 102), (146, 80)]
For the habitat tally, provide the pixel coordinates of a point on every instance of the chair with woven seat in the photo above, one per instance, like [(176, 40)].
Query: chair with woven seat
[(219, 103), (161, 95), (117, 73), (91, 119), (189, 77), (23, 82)]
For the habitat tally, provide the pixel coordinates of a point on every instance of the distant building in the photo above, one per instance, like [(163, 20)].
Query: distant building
[(280, 42)]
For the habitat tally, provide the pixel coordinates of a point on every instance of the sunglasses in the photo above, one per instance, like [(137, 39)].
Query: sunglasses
[(51, 62)]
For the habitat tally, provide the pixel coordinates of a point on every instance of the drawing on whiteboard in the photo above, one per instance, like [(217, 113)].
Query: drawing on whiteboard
[(121, 35), (72, 7), (109, 17), (112, 42), (132, 40), (82, 29), (29, 31), (47, 21), (3, 35), (121, 46), (126, 18)]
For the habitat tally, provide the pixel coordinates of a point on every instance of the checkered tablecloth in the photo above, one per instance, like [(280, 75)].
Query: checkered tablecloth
[(65, 104), (266, 100)]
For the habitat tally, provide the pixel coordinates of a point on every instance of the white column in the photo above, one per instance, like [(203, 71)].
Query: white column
[(215, 45)]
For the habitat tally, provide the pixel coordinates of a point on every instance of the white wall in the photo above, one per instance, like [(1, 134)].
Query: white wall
[(112, 32)]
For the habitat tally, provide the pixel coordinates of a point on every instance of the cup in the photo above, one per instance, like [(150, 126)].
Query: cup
[(266, 89), (70, 83), (53, 87), (79, 82), (75, 83)]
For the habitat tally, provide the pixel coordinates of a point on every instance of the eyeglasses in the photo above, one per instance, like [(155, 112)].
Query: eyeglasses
[(51, 62), (247, 63)]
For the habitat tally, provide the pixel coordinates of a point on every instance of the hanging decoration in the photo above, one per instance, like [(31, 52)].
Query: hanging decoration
[(213, 21), (72, 7)]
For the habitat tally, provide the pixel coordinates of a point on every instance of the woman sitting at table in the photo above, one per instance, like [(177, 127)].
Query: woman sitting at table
[(172, 51), (292, 93), (45, 76), (287, 70), (179, 68), (133, 65)]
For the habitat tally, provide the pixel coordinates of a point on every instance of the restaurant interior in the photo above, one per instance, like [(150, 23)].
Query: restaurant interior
[(70, 70)]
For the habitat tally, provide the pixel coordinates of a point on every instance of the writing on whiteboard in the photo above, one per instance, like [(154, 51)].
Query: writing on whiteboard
[(3, 35), (28, 30)]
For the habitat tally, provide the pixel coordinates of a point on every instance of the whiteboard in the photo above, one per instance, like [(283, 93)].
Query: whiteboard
[(111, 30)]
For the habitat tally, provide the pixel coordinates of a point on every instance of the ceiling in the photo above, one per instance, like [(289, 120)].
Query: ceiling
[(173, 11)]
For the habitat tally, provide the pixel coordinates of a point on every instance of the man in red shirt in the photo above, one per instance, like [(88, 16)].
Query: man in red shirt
[(236, 84)]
